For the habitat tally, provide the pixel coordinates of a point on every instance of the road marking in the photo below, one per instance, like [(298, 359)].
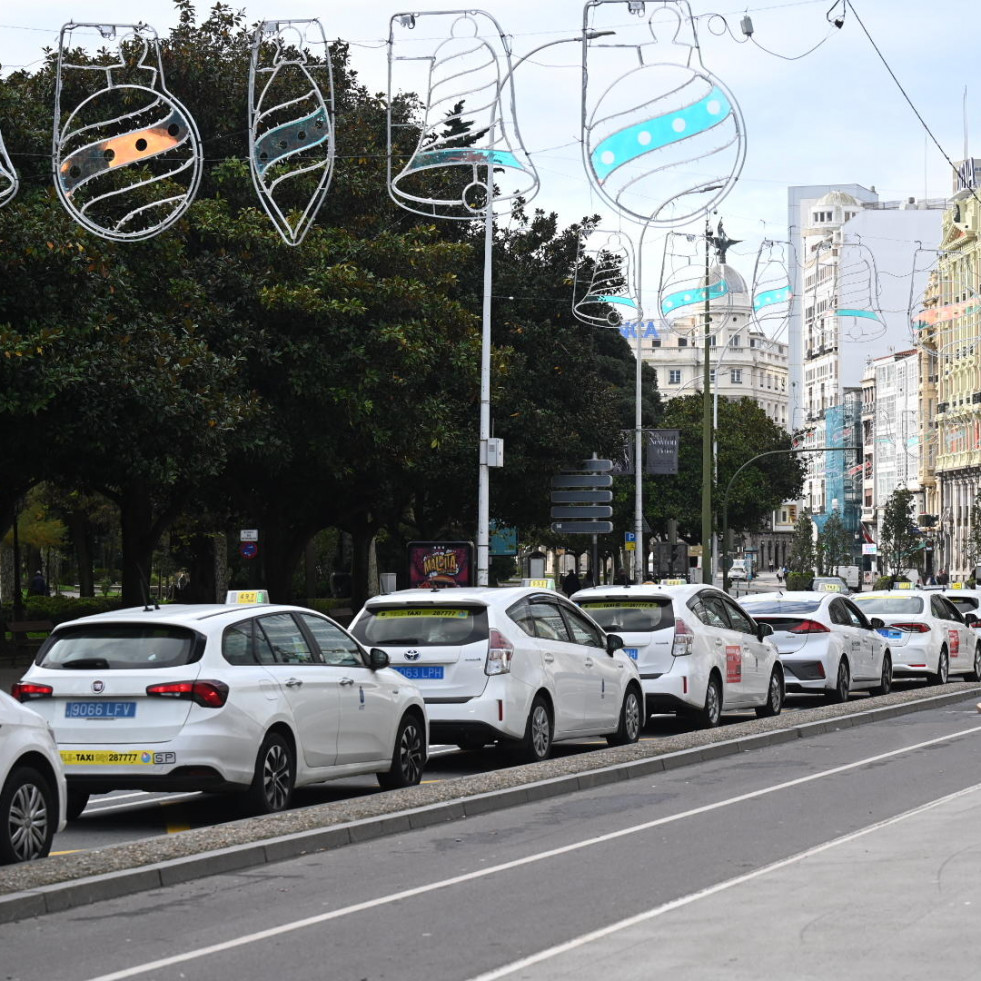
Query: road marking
[(336, 914), (682, 901)]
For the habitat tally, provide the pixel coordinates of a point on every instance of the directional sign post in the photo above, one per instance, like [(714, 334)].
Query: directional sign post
[(582, 502)]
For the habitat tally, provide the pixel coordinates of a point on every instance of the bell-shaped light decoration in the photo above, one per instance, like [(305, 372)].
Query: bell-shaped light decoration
[(663, 142), (685, 289), (291, 127), (857, 312), (126, 153), (605, 291), (772, 292), (469, 136), (8, 176)]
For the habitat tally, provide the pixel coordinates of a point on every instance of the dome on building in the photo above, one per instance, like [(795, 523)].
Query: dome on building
[(734, 281), (835, 208)]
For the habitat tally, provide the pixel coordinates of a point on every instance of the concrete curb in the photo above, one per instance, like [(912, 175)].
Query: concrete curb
[(79, 892)]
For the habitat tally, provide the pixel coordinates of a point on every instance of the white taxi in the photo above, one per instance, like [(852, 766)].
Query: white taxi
[(517, 665), (928, 635), (697, 650), (966, 600), (248, 697)]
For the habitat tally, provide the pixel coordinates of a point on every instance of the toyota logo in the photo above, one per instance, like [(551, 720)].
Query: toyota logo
[(98, 686), (412, 655)]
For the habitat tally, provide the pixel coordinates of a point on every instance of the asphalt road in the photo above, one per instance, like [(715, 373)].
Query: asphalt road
[(851, 854)]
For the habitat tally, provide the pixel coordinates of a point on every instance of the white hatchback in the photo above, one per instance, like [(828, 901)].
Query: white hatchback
[(255, 699), (514, 665), (827, 645), (698, 652), (931, 636), (32, 785)]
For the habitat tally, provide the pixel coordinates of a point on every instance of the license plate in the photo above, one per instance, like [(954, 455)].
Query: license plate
[(100, 710), (631, 652), (114, 757), (889, 633), (427, 672)]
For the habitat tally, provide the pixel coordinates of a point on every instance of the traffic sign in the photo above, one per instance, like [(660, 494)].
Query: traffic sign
[(584, 496), (597, 466), (582, 527), (582, 480), (248, 550), (585, 511)]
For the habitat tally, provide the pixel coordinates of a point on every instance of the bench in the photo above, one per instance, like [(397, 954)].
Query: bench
[(17, 627)]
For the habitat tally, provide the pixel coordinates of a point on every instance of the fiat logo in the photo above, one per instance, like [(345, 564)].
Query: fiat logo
[(98, 686), (412, 655)]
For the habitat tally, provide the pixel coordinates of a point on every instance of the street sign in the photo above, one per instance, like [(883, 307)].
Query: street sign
[(582, 527), (584, 496), (585, 511), (248, 550), (662, 451), (597, 466), (248, 535), (582, 480)]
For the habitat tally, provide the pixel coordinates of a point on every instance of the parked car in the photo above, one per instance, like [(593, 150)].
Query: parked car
[(738, 570), (830, 584), (934, 638), (251, 698), (519, 666), (33, 794), (827, 645), (698, 651), (966, 600)]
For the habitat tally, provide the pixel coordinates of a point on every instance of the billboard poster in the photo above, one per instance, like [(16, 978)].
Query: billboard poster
[(438, 565)]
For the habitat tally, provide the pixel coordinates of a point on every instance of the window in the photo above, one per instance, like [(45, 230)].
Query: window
[(734, 341), (682, 342), (549, 624), (739, 620), (737, 376), (674, 376), (288, 644), (583, 632), (711, 610), (336, 647)]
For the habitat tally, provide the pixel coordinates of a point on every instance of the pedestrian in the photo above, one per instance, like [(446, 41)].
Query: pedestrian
[(37, 586), (570, 583), (943, 578), (587, 581)]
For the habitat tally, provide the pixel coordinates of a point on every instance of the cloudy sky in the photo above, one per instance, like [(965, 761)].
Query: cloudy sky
[(818, 104)]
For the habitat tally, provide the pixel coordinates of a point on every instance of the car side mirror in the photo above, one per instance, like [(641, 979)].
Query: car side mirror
[(763, 630), (970, 619), (378, 659), (614, 642), (877, 623)]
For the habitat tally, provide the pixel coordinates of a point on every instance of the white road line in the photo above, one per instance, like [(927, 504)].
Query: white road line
[(681, 901), (291, 927)]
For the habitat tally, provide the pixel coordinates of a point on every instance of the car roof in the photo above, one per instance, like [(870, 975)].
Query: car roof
[(490, 596), (642, 590), (197, 615), (800, 595)]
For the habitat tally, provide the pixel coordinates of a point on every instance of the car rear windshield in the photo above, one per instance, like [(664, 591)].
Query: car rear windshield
[(783, 607), (120, 647), (890, 604), (442, 626), (966, 604), (629, 615)]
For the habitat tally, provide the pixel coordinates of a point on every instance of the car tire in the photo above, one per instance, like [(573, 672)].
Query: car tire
[(839, 694), (631, 720), (408, 756), (537, 742), (28, 816), (77, 801), (774, 697), (275, 775), (939, 677), (975, 674), (710, 714), (885, 681)]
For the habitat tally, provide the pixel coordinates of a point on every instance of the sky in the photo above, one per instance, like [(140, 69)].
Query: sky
[(818, 105)]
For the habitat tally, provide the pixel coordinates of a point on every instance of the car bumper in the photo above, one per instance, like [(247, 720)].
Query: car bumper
[(673, 691), (499, 712)]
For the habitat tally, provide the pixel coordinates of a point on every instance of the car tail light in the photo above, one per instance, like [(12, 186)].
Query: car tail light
[(27, 691), (809, 627), (209, 694), (683, 638), (499, 653), (912, 628)]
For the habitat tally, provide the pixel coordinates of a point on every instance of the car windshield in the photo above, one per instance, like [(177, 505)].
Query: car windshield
[(966, 604), (120, 647), (628, 615), (782, 606), (424, 625), (890, 604)]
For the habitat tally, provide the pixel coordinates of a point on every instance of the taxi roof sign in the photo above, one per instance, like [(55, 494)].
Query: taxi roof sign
[(235, 596)]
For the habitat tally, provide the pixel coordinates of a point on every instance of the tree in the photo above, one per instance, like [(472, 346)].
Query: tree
[(972, 546), (833, 546), (898, 536), (802, 557)]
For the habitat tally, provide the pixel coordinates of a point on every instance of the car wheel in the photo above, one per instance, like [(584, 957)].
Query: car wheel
[(630, 725), (28, 816), (975, 673), (885, 682), (843, 682), (711, 712), (76, 803), (537, 742), (943, 668), (774, 697), (275, 774), (408, 757)]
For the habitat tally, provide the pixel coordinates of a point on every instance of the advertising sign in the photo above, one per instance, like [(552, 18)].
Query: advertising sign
[(439, 565)]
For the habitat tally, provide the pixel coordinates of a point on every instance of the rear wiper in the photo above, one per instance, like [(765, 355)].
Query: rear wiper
[(87, 662)]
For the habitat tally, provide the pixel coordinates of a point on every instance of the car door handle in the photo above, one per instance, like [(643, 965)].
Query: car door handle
[(548, 658), (294, 683), (346, 681), (588, 662)]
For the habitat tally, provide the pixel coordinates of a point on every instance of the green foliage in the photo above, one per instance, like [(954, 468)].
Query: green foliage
[(884, 582), (833, 546), (59, 609), (898, 538), (802, 557), (799, 580)]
